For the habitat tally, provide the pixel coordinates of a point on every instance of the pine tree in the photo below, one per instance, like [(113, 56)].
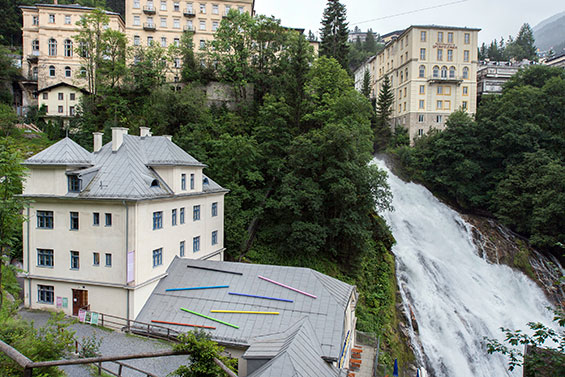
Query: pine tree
[(366, 89), (311, 36), (384, 112), (334, 33), (526, 41), (370, 42)]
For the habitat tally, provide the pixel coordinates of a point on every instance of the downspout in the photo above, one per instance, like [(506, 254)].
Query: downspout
[(28, 269), (127, 248)]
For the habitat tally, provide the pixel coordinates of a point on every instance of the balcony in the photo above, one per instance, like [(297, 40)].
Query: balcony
[(149, 9), (188, 28), (446, 80), (33, 57), (189, 13), (149, 26)]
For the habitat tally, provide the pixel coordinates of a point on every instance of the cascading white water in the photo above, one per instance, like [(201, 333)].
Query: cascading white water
[(457, 297)]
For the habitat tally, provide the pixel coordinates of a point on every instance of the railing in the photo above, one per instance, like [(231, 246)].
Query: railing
[(188, 28), (189, 13), (149, 26), (149, 9)]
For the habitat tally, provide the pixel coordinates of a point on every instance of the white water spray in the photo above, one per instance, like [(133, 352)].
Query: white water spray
[(457, 297)]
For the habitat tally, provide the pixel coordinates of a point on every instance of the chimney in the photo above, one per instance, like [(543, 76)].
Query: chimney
[(118, 137), (144, 131), (97, 141), (169, 137)]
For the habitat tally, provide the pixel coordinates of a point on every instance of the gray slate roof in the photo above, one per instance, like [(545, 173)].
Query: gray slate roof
[(326, 313), (294, 352), (124, 174), (64, 152)]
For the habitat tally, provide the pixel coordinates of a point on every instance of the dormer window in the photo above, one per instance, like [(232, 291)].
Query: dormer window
[(74, 183)]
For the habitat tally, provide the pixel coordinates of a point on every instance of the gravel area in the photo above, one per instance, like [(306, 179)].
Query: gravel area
[(116, 343)]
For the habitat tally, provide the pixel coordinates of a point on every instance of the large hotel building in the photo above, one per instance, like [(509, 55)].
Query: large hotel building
[(433, 72)]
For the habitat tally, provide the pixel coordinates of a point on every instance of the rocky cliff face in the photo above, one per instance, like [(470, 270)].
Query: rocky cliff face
[(497, 244)]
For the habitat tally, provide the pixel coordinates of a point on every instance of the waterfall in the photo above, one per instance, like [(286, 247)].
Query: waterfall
[(456, 297)]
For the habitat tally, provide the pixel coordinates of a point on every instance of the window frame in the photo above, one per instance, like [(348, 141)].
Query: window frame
[(181, 216), (95, 258), (214, 239), (107, 219), (107, 259), (157, 257), (75, 260), (45, 258), (196, 212), (45, 294), (73, 220), (157, 220), (45, 219), (214, 209), (196, 244), (182, 248), (174, 217), (73, 181)]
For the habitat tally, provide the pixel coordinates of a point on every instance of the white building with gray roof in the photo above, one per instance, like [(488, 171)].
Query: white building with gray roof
[(103, 227)]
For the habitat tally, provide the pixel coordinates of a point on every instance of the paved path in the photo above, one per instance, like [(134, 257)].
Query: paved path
[(367, 360), (116, 343)]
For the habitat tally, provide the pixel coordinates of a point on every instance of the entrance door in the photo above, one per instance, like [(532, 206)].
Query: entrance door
[(80, 300)]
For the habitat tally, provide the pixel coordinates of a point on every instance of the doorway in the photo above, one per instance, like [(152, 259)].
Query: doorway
[(80, 300)]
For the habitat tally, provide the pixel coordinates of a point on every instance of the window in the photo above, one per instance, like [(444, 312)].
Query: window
[(174, 217), (51, 18), (215, 9), (96, 259), (467, 38), (189, 25), (149, 41), (440, 36), (215, 25), (422, 71), (157, 220), (228, 8), (45, 294), (74, 220), (214, 209), (215, 237), (181, 220), (436, 71), (74, 260), (183, 181), (45, 258), (60, 96), (202, 44), (447, 90), (196, 213), (52, 47), (45, 219), (404, 106), (163, 21), (420, 118), (163, 5), (181, 249), (136, 40), (108, 219), (35, 20), (422, 89), (73, 180), (438, 118), (202, 25), (465, 91), (421, 104), (176, 24), (68, 72), (176, 6), (34, 73), (446, 105), (451, 72), (196, 244), (439, 54), (444, 72), (136, 4), (71, 110), (46, 109), (157, 257), (136, 20), (108, 259), (192, 181), (241, 9), (203, 8), (440, 90), (422, 36), (401, 77), (60, 109), (163, 41), (439, 105), (35, 47), (449, 55), (420, 132), (176, 41), (95, 219), (465, 72), (177, 63), (464, 105), (67, 20), (466, 55)]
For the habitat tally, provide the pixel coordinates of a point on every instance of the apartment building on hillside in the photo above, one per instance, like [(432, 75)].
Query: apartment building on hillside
[(433, 72), (103, 227)]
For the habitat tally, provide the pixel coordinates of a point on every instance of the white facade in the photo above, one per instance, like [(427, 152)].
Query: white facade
[(77, 246)]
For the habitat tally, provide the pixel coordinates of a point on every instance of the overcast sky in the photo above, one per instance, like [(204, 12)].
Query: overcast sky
[(496, 18)]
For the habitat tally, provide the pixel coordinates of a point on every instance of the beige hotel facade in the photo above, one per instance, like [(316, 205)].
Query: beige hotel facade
[(433, 72)]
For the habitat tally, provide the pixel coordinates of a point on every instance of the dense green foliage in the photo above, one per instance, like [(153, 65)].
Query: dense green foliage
[(519, 48), (383, 116), (50, 342), (334, 33), (509, 161), (203, 351), (360, 51)]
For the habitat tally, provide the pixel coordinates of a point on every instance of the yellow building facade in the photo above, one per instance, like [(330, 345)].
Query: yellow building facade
[(49, 48), (433, 72)]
